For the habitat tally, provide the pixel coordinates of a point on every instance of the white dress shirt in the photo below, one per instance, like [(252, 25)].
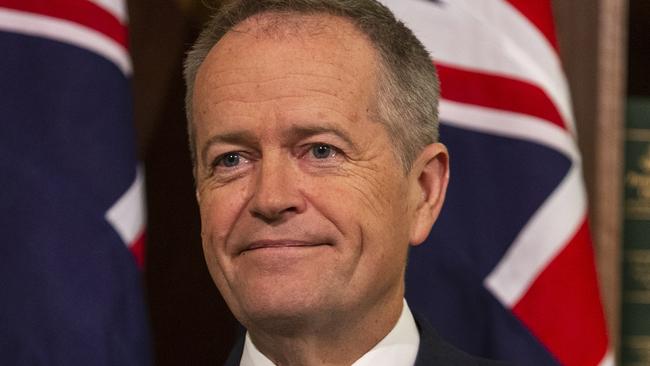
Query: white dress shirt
[(398, 348)]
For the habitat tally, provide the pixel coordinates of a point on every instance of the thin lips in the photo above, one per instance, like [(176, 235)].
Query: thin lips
[(259, 244)]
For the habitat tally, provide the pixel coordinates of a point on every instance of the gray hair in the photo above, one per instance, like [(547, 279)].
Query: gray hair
[(408, 87)]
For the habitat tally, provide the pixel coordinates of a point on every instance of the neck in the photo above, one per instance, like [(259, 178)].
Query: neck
[(339, 340)]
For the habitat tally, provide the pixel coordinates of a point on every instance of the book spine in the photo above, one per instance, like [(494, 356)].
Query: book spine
[(635, 307)]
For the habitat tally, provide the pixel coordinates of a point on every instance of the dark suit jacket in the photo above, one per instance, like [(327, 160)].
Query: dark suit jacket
[(433, 351)]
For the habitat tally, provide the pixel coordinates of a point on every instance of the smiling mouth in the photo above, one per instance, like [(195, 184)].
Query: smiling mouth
[(277, 244)]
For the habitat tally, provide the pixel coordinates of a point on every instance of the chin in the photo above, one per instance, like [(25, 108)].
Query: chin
[(282, 320), (282, 312)]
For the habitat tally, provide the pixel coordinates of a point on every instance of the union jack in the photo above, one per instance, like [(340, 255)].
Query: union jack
[(508, 270)]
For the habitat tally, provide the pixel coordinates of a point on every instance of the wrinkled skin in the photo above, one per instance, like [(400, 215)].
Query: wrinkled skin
[(306, 212)]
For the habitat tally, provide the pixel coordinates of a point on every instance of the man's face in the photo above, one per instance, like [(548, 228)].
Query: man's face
[(305, 210)]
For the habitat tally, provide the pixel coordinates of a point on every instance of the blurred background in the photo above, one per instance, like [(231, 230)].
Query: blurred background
[(605, 50)]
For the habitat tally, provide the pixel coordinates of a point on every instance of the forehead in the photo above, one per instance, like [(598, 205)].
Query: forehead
[(278, 56), (323, 36)]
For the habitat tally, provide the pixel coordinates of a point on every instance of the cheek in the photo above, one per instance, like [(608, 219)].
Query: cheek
[(219, 210), (370, 204), (382, 204), (375, 194)]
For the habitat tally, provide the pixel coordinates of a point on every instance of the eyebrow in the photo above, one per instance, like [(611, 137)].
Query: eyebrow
[(235, 137), (301, 132), (293, 133)]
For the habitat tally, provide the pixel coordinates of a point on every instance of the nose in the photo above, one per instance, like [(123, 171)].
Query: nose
[(277, 191)]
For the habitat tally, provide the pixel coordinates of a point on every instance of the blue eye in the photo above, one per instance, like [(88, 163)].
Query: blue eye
[(322, 151), (229, 160)]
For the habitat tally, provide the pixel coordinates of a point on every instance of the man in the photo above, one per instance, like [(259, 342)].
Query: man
[(313, 131)]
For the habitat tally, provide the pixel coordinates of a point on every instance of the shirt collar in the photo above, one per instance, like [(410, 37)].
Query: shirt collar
[(398, 348)]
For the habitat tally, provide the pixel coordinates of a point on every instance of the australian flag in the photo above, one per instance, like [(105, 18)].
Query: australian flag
[(72, 218), (508, 271)]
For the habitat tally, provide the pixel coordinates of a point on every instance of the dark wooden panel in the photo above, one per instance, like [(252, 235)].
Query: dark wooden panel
[(191, 324), (592, 45), (639, 48), (577, 25)]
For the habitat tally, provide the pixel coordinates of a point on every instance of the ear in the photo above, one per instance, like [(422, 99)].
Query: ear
[(429, 177)]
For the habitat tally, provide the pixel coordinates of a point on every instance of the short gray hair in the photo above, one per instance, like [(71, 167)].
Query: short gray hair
[(408, 86)]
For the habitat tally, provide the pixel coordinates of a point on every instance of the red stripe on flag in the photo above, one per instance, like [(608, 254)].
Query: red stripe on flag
[(84, 13), (562, 308), (498, 92), (540, 13), (137, 249)]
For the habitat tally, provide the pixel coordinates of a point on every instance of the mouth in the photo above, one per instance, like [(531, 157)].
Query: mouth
[(280, 244)]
